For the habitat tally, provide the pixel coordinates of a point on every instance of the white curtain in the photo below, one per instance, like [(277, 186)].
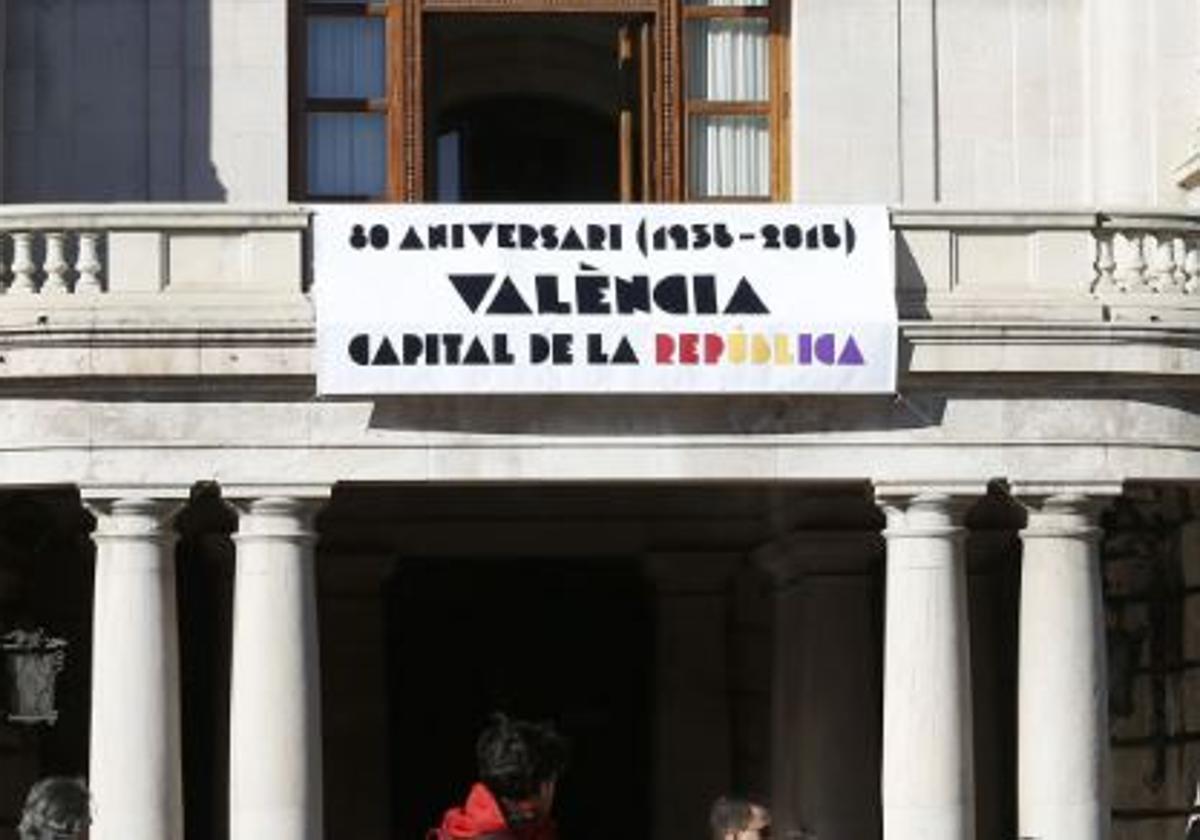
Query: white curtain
[(728, 61), (345, 57), (729, 156), (347, 154)]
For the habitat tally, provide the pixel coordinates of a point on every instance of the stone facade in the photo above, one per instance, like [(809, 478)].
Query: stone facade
[(897, 616)]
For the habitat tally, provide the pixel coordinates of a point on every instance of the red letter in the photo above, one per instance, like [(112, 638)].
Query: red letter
[(689, 345), (714, 346), (664, 349)]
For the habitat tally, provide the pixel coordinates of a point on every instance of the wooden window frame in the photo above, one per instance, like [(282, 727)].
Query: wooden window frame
[(403, 104), (301, 104), (774, 108)]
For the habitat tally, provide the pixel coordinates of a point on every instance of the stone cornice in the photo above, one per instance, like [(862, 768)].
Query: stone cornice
[(153, 217), (259, 340)]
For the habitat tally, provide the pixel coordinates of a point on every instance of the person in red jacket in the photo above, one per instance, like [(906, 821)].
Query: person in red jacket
[(519, 765)]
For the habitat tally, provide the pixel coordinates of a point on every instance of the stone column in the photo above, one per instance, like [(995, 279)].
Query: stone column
[(275, 704), (1062, 720), (136, 772), (928, 784), (692, 718)]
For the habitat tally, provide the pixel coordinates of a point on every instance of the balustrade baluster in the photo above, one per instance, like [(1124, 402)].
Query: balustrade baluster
[(1135, 279), (88, 265), (55, 265), (5, 261), (1179, 278), (1106, 264), (1192, 266), (1163, 279), (22, 266)]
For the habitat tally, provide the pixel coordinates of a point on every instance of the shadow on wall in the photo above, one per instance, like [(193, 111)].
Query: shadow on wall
[(108, 102), (45, 582), (649, 414)]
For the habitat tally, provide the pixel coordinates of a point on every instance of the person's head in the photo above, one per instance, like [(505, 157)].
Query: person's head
[(739, 819), (520, 762), (55, 809)]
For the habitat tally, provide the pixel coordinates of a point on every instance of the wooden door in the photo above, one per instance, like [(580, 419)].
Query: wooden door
[(635, 121)]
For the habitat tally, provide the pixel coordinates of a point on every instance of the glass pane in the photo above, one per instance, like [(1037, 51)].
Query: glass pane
[(728, 59), (345, 57), (729, 156), (347, 154), (449, 167)]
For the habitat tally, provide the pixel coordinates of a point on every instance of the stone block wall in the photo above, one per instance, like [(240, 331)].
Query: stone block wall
[(1152, 579)]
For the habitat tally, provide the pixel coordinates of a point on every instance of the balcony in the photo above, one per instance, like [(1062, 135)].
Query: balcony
[(193, 290)]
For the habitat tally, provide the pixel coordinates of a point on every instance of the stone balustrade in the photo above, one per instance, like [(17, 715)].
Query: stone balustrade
[(1036, 266), (198, 289), (943, 254), (1155, 255), (92, 249)]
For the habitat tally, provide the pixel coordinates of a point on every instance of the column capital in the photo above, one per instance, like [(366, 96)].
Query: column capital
[(276, 517), (1062, 515), (784, 569), (791, 557), (690, 572), (133, 516), (1030, 493), (906, 493), (241, 494), (926, 511), (100, 493)]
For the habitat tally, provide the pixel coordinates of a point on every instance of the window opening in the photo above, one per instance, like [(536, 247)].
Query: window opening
[(498, 100)]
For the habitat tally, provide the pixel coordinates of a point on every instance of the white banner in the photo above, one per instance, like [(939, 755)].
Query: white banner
[(530, 299)]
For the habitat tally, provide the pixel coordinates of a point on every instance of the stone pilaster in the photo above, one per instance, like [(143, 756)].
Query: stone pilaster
[(691, 689), (1120, 59), (136, 770), (824, 709), (275, 705)]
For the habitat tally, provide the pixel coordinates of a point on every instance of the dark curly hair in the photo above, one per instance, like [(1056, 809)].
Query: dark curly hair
[(516, 756), (56, 807)]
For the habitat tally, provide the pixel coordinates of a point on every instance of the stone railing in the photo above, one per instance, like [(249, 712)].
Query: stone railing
[(984, 265), (1154, 255), (48, 251), (1056, 265), (194, 290)]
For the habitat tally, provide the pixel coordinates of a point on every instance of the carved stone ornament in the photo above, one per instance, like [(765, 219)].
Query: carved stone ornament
[(33, 661)]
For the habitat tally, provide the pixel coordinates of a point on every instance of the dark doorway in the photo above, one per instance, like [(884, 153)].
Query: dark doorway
[(524, 149), (526, 107), (568, 641)]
